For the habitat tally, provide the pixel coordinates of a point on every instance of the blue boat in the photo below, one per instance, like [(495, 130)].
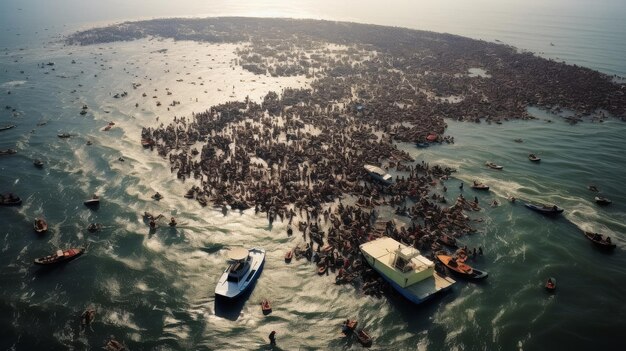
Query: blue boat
[(410, 273), (544, 209), (243, 270), (422, 144)]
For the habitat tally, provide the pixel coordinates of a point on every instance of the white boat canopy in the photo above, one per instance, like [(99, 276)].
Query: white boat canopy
[(238, 254)]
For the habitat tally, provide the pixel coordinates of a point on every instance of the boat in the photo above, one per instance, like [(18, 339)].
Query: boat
[(493, 165), (244, 268), (107, 128), (518, 140), (461, 269), (379, 174), (266, 307), (422, 145), (288, 256), (8, 152), (410, 273), (321, 270), (60, 256), (551, 284), (7, 127), (10, 200), (146, 143), (599, 241), (600, 200), (364, 338), (479, 186), (157, 196), (64, 135), (94, 201), (534, 158), (40, 225), (545, 209), (38, 163), (348, 326)]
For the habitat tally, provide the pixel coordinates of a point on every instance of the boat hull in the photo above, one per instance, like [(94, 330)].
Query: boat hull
[(419, 292), (232, 290), (544, 211)]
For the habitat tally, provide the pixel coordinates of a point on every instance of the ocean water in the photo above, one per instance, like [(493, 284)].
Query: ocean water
[(155, 291)]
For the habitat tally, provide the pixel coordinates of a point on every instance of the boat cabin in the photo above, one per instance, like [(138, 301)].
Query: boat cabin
[(379, 174), (240, 264)]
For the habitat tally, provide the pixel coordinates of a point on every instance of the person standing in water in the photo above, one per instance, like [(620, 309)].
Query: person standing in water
[(272, 338)]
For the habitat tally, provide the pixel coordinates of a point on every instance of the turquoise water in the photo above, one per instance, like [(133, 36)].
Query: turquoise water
[(155, 291)]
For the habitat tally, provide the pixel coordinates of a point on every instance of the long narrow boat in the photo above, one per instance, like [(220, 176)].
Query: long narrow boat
[(40, 225), (600, 241), (60, 256), (7, 127), (364, 338), (94, 201), (64, 135), (461, 269), (8, 152), (10, 200), (603, 201), (493, 165), (544, 209), (244, 268)]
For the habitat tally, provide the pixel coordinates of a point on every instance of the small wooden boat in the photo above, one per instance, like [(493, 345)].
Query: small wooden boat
[(600, 200), (534, 158), (349, 326), (550, 284), (518, 140), (7, 127), (599, 241), (38, 163), (364, 338), (10, 200), (480, 186), (266, 307), (461, 269), (544, 209), (114, 345), (146, 143), (60, 256), (288, 256), (64, 135), (40, 225), (493, 165), (8, 152)]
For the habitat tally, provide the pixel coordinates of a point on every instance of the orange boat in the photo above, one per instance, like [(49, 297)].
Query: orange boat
[(461, 269)]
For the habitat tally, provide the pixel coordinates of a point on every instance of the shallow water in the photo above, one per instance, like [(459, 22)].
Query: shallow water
[(156, 290)]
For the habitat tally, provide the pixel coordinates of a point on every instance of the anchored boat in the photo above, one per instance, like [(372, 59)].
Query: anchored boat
[(244, 268), (410, 273)]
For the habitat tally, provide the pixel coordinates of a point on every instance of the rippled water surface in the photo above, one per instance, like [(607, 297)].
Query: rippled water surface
[(155, 291)]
